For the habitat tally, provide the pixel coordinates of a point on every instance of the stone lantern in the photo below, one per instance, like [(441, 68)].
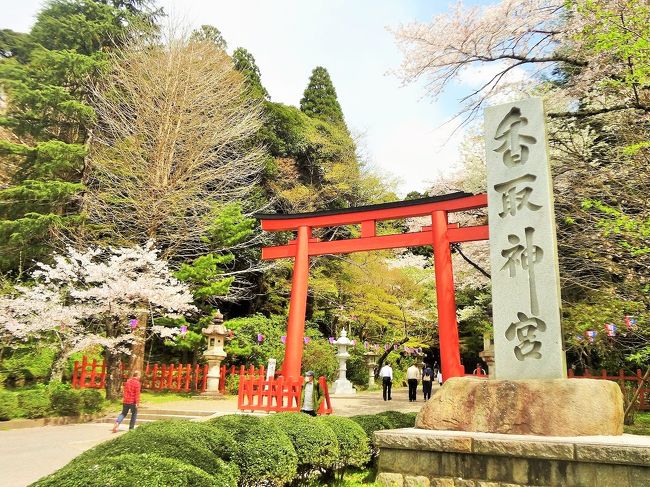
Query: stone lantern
[(488, 353), (371, 362), (342, 385), (214, 354)]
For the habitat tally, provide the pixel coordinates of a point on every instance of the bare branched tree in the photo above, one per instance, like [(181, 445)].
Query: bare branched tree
[(173, 143)]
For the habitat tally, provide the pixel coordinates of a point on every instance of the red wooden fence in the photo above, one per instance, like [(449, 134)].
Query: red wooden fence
[(237, 371), (621, 378), (257, 393), (157, 377)]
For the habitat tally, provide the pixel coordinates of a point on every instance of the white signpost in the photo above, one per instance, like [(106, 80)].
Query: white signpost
[(528, 341)]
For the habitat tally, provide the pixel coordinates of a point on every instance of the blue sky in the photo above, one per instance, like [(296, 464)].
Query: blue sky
[(403, 132)]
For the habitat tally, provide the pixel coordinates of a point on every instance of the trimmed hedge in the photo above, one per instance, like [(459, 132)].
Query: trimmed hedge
[(131, 470), (63, 400), (399, 420), (34, 403), (8, 406), (177, 441), (371, 423), (316, 444), (91, 400), (264, 453), (354, 447)]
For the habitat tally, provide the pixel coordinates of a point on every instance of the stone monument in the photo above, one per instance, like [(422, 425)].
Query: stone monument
[(530, 425), (214, 354), (342, 386)]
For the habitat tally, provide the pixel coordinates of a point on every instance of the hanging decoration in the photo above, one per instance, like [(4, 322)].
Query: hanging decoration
[(307, 340), (133, 323), (283, 339), (332, 340), (260, 338), (610, 328), (183, 330), (630, 322), (591, 334)]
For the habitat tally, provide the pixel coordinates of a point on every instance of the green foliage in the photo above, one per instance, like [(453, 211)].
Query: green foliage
[(203, 275), (316, 445), (371, 423), (264, 455), (319, 99), (245, 63), (92, 400), (34, 403), (26, 365), (320, 357), (132, 470), (173, 441), (354, 447), (8, 406), (63, 400), (209, 33), (244, 348), (397, 419)]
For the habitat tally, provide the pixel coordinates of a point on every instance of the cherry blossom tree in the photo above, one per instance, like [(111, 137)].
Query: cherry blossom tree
[(94, 297)]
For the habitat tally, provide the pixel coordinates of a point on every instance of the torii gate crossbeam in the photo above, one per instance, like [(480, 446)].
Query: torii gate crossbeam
[(440, 235)]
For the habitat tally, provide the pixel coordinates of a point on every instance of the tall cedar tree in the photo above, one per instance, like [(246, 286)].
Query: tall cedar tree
[(319, 99), (45, 121), (245, 63)]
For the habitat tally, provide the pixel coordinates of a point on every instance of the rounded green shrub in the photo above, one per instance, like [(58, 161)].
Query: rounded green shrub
[(34, 403), (354, 447), (92, 400), (131, 470), (398, 419), (63, 400), (170, 442), (217, 440), (315, 444), (371, 423), (265, 455), (8, 406)]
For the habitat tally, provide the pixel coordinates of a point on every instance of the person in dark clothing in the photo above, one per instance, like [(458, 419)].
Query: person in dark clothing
[(386, 374), (427, 381), (130, 401)]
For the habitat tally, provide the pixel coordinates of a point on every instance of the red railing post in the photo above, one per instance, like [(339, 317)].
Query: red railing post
[(204, 384), (102, 380), (84, 364), (196, 377), (75, 371), (93, 373), (188, 375)]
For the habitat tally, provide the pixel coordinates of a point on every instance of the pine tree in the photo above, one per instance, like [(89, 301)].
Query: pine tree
[(44, 127), (245, 63), (319, 99), (209, 33)]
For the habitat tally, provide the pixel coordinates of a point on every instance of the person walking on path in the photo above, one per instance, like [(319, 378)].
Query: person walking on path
[(130, 401), (311, 396), (427, 381), (386, 374), (412, 377), (479, 370)]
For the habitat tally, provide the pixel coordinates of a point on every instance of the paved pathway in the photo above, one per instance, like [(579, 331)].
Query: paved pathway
[(31, 453)]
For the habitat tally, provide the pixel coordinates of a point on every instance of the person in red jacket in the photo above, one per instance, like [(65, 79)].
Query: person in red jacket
[(130, 401)]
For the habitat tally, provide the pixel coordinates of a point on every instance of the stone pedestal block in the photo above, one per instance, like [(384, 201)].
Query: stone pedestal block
[(557, 407)]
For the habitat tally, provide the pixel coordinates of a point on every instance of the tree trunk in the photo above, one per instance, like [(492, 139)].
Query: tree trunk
[(138, 349), (113, 384), (58, 367)]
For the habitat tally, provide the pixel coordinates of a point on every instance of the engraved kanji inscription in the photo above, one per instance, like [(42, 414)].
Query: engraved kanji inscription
[(524, 255), (514, 143), (525, 331), (515, 195)]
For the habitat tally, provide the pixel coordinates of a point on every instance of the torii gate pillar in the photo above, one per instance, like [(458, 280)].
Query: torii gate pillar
[(447, 325), (297, 306)]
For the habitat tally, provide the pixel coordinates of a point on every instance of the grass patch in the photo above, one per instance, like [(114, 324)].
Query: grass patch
[(641, 425)]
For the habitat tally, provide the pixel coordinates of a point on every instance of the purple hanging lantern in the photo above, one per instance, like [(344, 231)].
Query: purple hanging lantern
[(133, 323), (183, 330), (283, 339), (307, 340), (260, 338)]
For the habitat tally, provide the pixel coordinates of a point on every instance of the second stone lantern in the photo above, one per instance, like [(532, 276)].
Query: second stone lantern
[(342, 386), (214, 354)]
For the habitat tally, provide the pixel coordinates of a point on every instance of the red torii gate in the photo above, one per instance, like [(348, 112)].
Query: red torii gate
[(440, 234)]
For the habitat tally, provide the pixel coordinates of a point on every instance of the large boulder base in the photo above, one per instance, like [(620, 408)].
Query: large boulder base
[(559, 407)]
